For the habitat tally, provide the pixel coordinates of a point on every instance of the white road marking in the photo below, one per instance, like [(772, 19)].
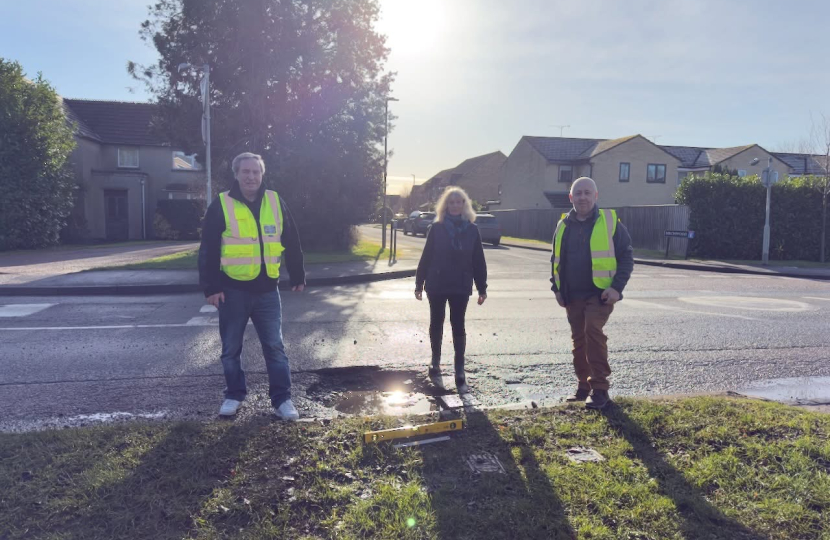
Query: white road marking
[(630, 302), (750, 303), (202, 321), (22, 310), (816, 298), (104, 327)]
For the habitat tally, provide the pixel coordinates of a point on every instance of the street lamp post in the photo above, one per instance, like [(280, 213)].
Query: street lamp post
[(766, 178), (205, 87), (385, 163)]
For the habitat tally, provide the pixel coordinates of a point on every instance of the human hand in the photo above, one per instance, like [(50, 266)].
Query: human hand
[(298, 288), (560, 300), (610, 296), (419, 295), (481, 298), (215, 299)]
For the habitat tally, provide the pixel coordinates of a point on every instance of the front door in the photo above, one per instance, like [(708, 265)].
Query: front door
[(117, 222)]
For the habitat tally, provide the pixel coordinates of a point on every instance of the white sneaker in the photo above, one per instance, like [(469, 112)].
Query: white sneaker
[(229, 407), (287, 411)]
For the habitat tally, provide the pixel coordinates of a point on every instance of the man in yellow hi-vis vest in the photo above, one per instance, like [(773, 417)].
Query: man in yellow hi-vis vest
[(591, 263), (248, 236)]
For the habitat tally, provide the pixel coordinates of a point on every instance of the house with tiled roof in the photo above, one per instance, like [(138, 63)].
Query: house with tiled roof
[(629, 171), (123, 167), (478, 176)]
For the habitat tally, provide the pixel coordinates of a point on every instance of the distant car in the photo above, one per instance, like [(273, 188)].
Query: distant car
[(398, 220), (418, 222), (489, 228)]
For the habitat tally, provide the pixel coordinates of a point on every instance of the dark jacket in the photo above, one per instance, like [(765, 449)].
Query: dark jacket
[(213, 280), (575, 270), (452, 271)]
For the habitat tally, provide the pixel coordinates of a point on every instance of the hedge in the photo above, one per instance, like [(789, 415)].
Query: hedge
[(727, 215), (178, 219)]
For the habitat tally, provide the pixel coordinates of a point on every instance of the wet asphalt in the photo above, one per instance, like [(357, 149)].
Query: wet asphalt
[(66, 359)]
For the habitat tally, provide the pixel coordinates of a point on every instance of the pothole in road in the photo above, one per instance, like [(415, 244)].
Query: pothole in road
[(371, 391)]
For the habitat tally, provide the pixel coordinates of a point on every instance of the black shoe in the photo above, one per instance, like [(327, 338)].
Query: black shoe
[(581, 394), (461, 386), (435, 368), (598, 399)]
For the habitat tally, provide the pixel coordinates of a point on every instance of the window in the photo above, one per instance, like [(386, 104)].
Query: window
[(656, 174), (128, 158), (625, 172), (565, 173), (181, 161), (741, 172)]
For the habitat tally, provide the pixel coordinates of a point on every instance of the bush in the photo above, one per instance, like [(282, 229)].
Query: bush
[(178, 219), (36, 181), (727, 215)]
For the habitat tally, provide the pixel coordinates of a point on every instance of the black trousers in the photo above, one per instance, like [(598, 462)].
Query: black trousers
[(437, 313)]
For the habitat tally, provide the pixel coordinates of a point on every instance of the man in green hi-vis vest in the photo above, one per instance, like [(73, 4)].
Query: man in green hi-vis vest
[(248, 236), (591, 263)]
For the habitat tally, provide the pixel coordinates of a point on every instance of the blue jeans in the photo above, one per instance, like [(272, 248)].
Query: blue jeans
[(265, 310)]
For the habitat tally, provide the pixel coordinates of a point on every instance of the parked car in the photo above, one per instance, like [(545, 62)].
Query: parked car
[(418, 222), (489, 228), (398, 220)]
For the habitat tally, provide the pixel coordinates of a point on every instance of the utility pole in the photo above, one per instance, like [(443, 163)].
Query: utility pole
[(205, 88)]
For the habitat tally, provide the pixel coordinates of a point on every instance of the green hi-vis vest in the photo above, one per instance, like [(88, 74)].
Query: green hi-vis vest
[(241, 258), (603, 256)]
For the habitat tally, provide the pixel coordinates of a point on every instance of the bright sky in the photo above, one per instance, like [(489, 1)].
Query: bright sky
[(476, 75)]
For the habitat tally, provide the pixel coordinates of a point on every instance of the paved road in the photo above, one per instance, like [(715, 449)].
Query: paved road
[(675, 332)]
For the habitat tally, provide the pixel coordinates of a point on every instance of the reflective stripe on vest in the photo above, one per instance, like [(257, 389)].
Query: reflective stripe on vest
[(241, 256), (603, 253)]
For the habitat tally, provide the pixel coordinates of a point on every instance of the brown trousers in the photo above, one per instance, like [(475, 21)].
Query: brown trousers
[(587, 317)]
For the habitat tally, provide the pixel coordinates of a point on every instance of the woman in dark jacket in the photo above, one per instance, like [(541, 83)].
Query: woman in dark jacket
[(452, 260)]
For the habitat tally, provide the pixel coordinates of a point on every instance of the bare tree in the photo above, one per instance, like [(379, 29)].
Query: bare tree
[(801, 146)]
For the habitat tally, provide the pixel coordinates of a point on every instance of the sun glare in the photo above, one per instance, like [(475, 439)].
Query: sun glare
[(413, 27)]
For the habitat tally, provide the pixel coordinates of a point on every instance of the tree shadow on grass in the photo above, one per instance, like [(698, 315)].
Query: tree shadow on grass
[(164, 494), (519, 502), (698, 517)]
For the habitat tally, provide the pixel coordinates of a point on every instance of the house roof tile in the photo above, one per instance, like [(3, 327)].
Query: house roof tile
[(115, 122)]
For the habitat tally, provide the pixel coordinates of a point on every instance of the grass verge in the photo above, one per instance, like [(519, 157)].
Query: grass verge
[(539, 243), (709, 468), (364, 250)]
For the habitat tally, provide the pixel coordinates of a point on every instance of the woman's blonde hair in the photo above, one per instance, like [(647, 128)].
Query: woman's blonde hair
[(441, 205)]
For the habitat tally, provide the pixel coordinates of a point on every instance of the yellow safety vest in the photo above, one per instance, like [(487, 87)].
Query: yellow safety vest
[(603, 255), (241, 257)]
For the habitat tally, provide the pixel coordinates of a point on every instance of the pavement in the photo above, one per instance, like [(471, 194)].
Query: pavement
[(64, 272), (706, 266)]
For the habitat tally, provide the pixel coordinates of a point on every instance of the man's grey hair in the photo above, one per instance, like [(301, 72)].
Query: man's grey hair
[(247, 155)]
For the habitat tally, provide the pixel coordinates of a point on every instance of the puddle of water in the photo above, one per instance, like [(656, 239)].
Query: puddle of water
[(794, 390), (396, 403)]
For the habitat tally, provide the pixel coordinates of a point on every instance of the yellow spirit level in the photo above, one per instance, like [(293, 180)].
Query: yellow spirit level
[(412, 431)]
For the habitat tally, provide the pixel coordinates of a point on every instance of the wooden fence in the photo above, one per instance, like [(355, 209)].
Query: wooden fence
[(647, 224)]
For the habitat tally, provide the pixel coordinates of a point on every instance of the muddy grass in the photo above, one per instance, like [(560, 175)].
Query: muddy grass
[(693, 468)]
